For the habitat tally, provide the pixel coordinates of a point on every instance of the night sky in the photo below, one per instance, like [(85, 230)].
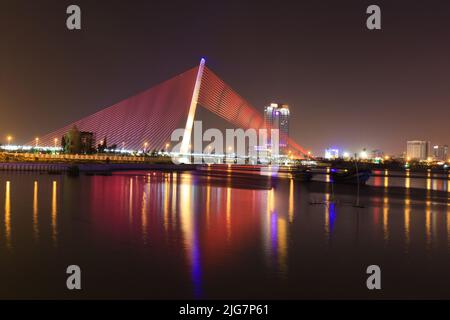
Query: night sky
[(347, 86)]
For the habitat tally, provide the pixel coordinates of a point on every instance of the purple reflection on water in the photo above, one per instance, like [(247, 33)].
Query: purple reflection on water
[(196, 267), (332, 215), (273, 231)]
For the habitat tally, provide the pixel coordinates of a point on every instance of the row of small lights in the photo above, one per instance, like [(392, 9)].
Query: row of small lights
[(429, 159), (9, 138)]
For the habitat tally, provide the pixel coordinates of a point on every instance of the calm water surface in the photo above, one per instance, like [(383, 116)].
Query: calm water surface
[(179, 235)]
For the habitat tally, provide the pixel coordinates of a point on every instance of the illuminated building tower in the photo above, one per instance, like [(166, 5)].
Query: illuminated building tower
[(276, 116), (417, 150), (440, 152)]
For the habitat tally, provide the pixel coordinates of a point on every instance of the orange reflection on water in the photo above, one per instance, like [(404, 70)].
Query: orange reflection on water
[(386, 178), (54, 212), (407, 220), (448, 183), (228, 213), (8, 215), (208, 203), (385, 218), (327, 214), (35, 211), (428, 223), (407, 180), (270, 200), (282, 244), (291, 200), (174, 198), (186, 212)]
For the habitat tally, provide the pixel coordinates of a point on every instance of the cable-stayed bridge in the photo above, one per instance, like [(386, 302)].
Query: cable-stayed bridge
[(151, 116)]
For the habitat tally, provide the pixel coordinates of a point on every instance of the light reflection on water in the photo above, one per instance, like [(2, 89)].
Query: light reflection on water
[(407, 215), (8, 214), (54, 212), (428, 180), (204, 238), (386, 218), (386, 178), (36, 210)]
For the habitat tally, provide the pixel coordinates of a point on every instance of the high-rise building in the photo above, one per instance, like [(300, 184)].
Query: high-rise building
[(276, 116), (417, 150), (440, 152)]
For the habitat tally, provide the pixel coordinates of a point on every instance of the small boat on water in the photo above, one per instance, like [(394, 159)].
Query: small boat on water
[(352, 176)]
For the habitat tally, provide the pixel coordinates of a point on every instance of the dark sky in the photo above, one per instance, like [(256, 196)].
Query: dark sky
[(347, 86)]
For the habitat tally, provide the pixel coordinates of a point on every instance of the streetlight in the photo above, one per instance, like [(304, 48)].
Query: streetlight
[(56, 141), (37, 141), (9, 138), (145, 146)]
